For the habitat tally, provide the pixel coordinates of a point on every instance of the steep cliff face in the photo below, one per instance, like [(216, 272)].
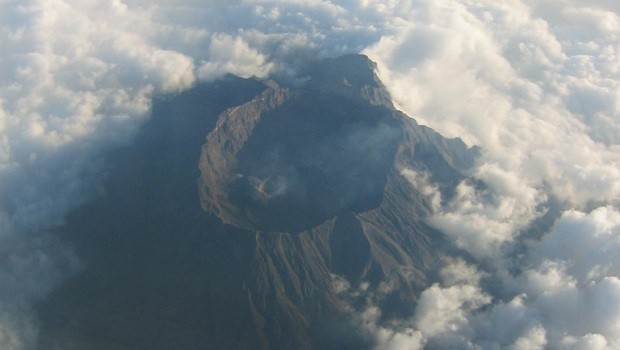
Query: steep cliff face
[(299, 187)]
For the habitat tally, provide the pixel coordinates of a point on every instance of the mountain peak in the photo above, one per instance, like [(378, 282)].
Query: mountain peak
[(352, 75), (292, 158), (354, 70)]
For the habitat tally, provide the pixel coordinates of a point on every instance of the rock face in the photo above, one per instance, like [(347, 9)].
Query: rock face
[(298, 186)]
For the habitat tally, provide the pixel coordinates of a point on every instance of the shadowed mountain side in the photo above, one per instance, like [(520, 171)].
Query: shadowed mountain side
[(160, 273), (155, 276)]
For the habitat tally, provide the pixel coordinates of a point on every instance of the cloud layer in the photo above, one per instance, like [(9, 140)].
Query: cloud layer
[(566, 297), (534, 83)]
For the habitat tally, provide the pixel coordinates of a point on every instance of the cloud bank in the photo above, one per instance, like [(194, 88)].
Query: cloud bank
[(566, 297), (534, 83)]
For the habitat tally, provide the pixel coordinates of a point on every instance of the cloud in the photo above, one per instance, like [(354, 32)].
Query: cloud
[(534, 83), (421, 182), (588, 243), (483, 220), (230, 55), (566, 296), (576, 285), (30, 268), (448, 315)]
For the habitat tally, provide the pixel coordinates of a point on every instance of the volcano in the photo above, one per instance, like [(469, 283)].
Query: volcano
[(243, 206)]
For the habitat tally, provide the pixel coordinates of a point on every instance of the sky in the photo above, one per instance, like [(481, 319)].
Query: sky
[(534, 83)]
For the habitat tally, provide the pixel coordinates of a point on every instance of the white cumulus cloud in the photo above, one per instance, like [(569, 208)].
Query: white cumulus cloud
[(534, 83)]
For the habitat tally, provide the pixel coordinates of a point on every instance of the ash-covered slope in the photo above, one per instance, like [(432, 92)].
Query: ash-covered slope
[(299, 186)]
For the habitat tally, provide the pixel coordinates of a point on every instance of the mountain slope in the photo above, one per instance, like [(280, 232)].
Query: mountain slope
[(299, 187)]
